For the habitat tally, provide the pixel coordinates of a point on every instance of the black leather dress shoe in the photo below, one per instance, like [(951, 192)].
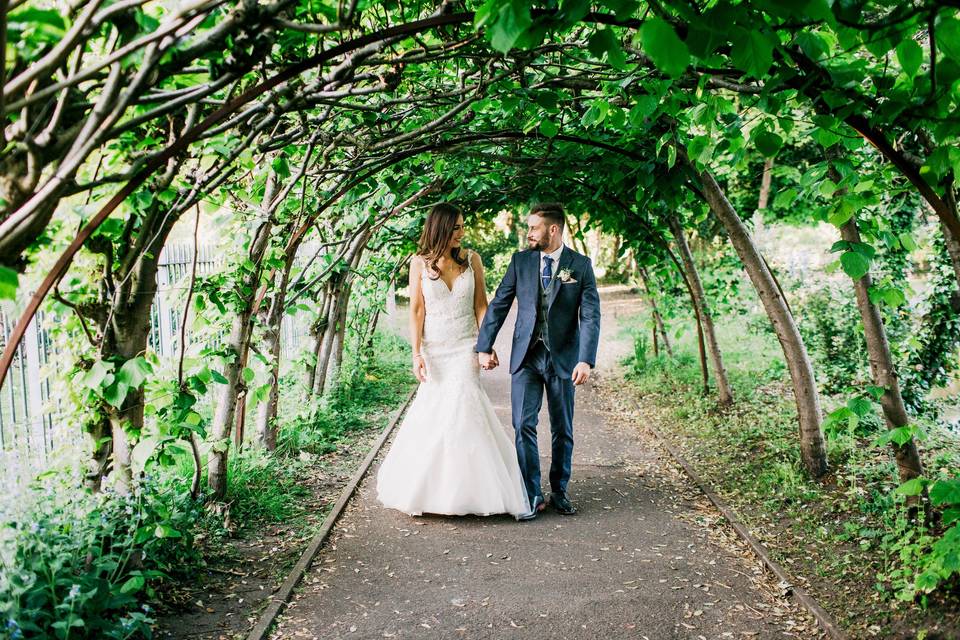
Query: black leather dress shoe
[(562, 504), (538, 506)]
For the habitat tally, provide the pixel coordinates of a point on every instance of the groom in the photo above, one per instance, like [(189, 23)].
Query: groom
[(554, 346)]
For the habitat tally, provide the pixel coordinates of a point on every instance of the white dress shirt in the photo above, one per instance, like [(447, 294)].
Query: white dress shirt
[(556, 261)]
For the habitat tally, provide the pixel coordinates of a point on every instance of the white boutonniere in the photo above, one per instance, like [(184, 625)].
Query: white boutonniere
[(565, 276)]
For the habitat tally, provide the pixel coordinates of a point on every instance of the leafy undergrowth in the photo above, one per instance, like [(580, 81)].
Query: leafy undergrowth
[(77, 564), (847, 540), (276, 503)]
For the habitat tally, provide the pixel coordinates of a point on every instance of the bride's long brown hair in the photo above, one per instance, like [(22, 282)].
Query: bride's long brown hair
[(436, 236)]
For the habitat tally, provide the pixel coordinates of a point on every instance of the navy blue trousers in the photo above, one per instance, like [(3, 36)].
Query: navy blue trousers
[(535, 376)]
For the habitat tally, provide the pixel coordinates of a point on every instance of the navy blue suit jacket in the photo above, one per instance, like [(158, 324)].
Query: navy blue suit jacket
[(573, 317)]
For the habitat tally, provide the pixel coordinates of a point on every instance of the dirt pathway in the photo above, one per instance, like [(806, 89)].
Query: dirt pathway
[(645, 557)]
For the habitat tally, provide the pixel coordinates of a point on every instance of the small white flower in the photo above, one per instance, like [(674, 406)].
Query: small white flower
[(565, 275)]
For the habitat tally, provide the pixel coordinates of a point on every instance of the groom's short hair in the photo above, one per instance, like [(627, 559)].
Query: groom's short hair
[(552, 212)]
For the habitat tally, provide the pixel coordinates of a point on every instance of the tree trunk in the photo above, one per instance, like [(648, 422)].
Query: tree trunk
[(267, 410), (102, 449), (128, 341), (223, 418), (656, 341), (340, 337), (812, 444), (331, 353), (700, 301), (237, 344), (952, 242), (129, 283), (657, 318), (338, 330), (371, 334), (701, 346), (318, 330), (125, 338), (765, 181), (882, 368), (329, 330)]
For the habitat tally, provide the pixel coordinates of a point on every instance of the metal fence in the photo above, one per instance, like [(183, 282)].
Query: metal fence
[(32, 425)]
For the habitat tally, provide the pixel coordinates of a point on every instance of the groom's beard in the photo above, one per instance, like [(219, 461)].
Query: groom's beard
[(537, 245)]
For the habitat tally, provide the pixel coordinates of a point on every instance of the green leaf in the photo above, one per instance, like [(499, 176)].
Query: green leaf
[(512, 20), (668, 52), (894, 297), (574, 10), (900, 435), (812, 43), (945, 492), (146, 22), (547, 99), (247, 374), (910, 55), (141, 453), (948, 38), (622, 9), (134, 372), (768, 143), (927, 581), (9, 281), (281, 167), (115, 393), (785, 198), (854, 264), (548, 128), (166, 531), (218, 377), (596, 113), (875, 391), (912, 487), (860, 406), (907, 241), (603, 42), (646, 105), (36, 26), (951, 515), (753, 53), (94, 377)]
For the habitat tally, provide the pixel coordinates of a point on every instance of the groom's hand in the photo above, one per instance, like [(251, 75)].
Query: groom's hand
[(581, 373), (488, 360)]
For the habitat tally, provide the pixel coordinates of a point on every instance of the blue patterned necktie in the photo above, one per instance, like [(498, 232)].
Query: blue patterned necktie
[(547, 274)]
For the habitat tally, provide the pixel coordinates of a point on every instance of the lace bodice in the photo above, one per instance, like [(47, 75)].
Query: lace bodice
[(450, 330), (449, 311)]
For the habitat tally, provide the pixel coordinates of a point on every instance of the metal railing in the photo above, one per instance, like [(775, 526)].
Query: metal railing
[(33, 427)]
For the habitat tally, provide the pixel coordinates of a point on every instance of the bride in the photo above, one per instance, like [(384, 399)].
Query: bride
[(451, 455)]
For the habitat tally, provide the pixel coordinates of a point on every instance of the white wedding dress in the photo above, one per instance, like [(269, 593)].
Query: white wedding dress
[(451, 455)]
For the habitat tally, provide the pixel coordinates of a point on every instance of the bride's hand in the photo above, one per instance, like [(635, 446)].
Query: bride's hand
[(419, 368)]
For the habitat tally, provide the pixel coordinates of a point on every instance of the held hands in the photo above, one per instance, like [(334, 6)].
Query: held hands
[(581, 373), (419, 368), (488, 361)]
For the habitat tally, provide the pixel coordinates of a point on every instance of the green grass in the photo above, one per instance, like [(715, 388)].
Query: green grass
[(851, 530)]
